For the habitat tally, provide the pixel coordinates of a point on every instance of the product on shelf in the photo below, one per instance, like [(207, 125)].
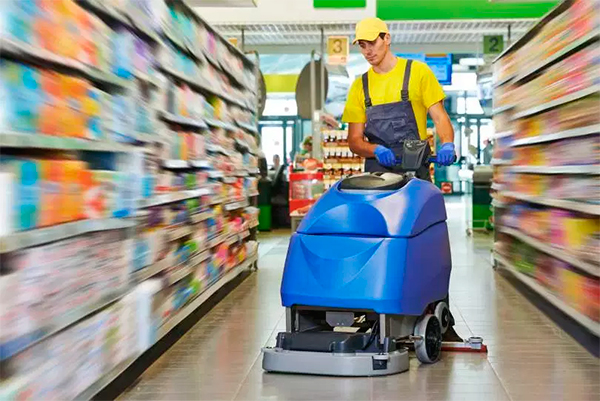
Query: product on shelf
[(569, 187), (567, 152)]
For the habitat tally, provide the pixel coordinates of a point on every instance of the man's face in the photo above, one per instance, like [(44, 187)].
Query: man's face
[(375, 51)]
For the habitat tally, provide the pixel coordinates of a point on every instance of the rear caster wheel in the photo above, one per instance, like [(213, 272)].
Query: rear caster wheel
[(443, 314), (429, 347)]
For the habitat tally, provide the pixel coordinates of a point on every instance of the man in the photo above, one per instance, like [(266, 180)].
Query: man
[(390, 102)]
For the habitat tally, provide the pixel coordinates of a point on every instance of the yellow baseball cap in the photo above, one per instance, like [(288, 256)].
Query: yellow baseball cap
[(369, 29)]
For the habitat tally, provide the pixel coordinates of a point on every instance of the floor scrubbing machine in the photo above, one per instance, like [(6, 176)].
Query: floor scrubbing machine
[(366, 277)]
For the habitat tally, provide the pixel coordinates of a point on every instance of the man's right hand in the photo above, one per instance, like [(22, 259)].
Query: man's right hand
[(385, 156)]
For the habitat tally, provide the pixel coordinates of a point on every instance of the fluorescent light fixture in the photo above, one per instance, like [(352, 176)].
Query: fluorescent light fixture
[(469, 61)]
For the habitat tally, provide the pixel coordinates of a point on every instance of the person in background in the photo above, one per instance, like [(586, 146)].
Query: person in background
[(276, 162), (488, 151), (389, 104), (307, 146)]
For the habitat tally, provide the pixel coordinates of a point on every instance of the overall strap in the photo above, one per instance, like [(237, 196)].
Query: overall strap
[(365, 82), (404, 92)]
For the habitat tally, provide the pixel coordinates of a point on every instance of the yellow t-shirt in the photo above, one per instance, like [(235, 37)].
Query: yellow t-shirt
[(424, 91)]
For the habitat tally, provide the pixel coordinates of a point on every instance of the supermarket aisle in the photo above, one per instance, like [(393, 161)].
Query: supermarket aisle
[(529, 357)]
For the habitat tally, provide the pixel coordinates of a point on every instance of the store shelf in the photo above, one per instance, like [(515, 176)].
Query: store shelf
[(497, 187), (215, 174), (175, 197), (55, 325), (250, 128), (39, 236), (186, 164), (179, 232), (553, 251), (24, 50), (180, 120), (199, 85), (503, 134), (40, 141), (589, 169), (589, 324), (240, 173), (559, 55), (150, 271), (200, 217), (217, 149), (176, 164), (236, 205), (216, 200), (220, 124), (178, 42), (571, 133), (558, 102), (179, 274), (106, 10), (504, 81), (503, 109), (557, 203), (500, 162), (200, 164), (200, 257), (204, 296), (253, 194), (218, 240), (498, 204), (106, 379)]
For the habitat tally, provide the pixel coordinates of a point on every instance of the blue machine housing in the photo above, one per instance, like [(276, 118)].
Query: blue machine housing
[(385, 251)]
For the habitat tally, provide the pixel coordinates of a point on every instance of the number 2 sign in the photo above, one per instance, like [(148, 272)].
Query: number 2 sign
[(493, 44)]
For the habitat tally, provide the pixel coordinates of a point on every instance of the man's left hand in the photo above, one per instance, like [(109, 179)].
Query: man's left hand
[(445, 155)]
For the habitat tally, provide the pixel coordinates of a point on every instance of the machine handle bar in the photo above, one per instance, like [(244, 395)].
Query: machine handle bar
[(432, 159)]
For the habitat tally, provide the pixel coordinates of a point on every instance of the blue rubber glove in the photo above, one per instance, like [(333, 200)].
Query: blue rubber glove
[(385, 156), (446, 154)]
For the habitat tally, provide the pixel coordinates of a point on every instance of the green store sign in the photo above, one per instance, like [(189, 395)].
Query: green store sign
[(398, 10), (401, 10)]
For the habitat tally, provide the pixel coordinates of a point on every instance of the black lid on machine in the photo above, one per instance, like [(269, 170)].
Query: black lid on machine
[(374, 181)]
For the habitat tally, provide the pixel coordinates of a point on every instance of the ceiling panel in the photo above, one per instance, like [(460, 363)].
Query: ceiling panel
[(416, 32)]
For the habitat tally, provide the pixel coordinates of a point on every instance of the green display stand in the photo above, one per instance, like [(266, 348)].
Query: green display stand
[(264, 218), (481, 207)]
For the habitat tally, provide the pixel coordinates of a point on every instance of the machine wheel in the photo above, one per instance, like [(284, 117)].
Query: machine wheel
[(443, 314), (428, 349)]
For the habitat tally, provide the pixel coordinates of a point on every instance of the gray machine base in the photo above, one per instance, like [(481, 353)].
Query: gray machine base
[(330, 364)]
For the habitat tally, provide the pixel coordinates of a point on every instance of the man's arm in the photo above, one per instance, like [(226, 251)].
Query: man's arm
[(357, 143), (443, 125)]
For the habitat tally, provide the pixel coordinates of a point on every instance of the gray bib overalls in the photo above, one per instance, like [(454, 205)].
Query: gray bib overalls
[(390, 124)]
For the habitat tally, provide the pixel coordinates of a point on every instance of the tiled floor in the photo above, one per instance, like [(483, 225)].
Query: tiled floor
[(529, 357)]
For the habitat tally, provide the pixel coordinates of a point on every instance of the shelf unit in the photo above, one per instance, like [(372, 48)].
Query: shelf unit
[(587, 267), (220, 137), (556, 136), (587, 208), (587, 323), (548, 124)]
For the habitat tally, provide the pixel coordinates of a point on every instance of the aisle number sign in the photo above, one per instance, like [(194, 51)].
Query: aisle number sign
[(233, 41), (338, 48), (493, 44)]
